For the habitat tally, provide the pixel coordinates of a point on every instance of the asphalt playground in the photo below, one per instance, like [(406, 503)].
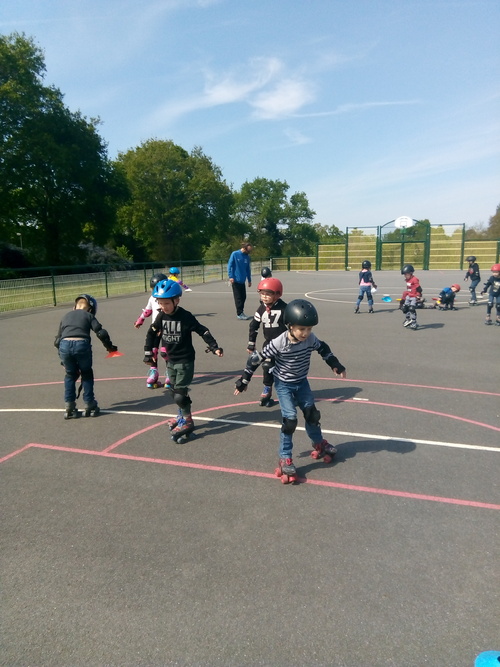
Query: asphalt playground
[(122, 547)]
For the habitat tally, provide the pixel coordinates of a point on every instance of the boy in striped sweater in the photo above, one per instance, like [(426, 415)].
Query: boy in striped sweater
[(289, 358)]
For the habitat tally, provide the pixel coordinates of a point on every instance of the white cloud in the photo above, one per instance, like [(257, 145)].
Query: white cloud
[(296, 138), (258, 84), (283, 100), (352, 107)]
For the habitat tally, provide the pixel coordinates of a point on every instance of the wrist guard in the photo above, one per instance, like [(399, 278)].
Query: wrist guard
[(241, 384)]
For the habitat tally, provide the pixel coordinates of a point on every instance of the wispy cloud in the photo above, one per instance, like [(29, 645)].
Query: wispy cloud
[(283, 100), (352, 107), (296, 137), (262, 83)]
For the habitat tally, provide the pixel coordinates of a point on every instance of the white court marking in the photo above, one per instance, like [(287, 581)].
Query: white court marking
[(351, 434)]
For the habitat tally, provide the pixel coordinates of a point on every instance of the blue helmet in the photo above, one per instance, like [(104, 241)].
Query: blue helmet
[(167, 289), (90, 300), (174, 271)]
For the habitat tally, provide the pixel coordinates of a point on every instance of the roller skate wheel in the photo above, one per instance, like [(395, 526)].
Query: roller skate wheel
[(285, 479), (278, 472), (327, 458), (315, 454)]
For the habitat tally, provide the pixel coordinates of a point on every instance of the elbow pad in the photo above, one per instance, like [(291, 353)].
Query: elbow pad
[(103, 336)]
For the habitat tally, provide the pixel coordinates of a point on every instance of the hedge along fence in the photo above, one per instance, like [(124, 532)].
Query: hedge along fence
[(56, 288)]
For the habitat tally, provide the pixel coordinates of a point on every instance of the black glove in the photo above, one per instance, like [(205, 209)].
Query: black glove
[(241, 384), (213, 349), (112, 348), (148, 358), (251, 346)]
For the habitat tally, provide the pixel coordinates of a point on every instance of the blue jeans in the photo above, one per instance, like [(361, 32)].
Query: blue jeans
[(76, 357), (365, 289), (291, 395)]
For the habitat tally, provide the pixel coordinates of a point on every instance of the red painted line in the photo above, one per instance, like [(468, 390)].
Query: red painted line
[(348, 380), (18, 451), (223, 407), (409, 407), (266, 475), (393, 384), (133, 435)]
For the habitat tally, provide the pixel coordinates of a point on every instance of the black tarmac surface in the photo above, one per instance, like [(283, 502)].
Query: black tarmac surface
[(122, 547)]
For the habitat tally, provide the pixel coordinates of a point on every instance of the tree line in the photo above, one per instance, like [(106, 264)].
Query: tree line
[(63, 201)]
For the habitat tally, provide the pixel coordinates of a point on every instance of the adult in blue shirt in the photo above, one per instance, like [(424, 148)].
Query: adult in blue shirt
[(238, 271)]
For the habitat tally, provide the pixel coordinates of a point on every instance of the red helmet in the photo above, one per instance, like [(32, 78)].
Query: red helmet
[(456, 287), (495, 268), (271, 284)]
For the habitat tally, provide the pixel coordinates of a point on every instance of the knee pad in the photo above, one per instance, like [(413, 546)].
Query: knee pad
[(405, 308), (312, 415), (88, 374), (411, 309), (289, 425), (181, 398)]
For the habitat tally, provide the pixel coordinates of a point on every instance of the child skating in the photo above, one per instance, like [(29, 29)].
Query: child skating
[(270, 315), (475, 278), (366, 284), (152, 309), (410, 296), (175, 275), (290, 355), (75, 351), (173, 329), (492, 288)]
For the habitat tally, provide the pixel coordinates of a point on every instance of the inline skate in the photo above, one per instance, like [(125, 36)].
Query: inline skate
[(266, 399), (92, 409), (71, 411)]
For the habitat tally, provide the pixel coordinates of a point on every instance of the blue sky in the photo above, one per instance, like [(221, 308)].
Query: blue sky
[(374, 109)]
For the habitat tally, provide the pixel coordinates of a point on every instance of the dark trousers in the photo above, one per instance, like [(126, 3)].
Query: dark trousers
[(240, 296)]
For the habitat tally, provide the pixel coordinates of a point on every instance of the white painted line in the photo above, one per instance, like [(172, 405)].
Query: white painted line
[(350, 434)]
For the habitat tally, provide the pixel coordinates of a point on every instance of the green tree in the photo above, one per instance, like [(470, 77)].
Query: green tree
[(57, 185), (262, 206), (482, 231), (329, 234), (493, 230), (178, 201)]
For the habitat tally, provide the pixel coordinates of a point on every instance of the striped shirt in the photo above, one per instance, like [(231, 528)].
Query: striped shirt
[(292, 360)]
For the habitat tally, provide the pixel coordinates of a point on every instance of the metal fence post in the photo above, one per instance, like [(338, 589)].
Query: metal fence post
[(54, 296)]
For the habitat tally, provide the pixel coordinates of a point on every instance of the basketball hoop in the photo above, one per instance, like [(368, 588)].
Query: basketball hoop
[(403, 222)]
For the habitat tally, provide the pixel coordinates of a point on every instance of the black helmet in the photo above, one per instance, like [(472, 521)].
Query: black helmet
[(407, 268), (156, 279), (266, 272), (470, 258), (366, 264), (90, 300), (301, 313)]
